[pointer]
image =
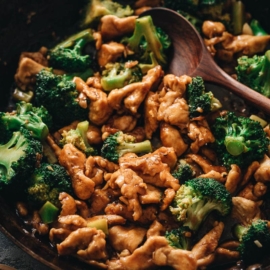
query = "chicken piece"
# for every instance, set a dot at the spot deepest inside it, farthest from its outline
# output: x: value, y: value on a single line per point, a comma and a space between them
x: 131, y: 186
x: 219, y: 176
x: 94, y: 135
x: 152, y: 195
x: 171, y: 137
x: 94, y: 81
x: 132, y: 95
x: 87, y: 243
x: 39, y: 57
x: 155, y: 229
x: 200, y: 133
x: 96, y: 166
x: 99, y: 107
x: 72, y: 221
x: 151, y: 169
x: 167, y: 155
x: 68, y: 203
x: 73, y: 161
x: 173, y: 107
x: 58, y: 234
x: 125, y: 123
x: 100, y: 199
x: 250, y: 172
x: 110, y: 52
x: 253, y: 192
x: 112, y: 220
x: 129, y: 238
x: 178, y: 259
x: 212, y: 29
x: 25, y: 76
x: 112, y: 27
x: 210, y: 154
x: 82, y: 209
x: 169, y: 194
x: 233, y: 178
x: 224, y: 255
x: 206, y: 165
x: 262, y: 174
x: 204, y: 250
x: 245, y: 210
x: 151, y: 105
x: 38, y: 225
x: 149, y: 212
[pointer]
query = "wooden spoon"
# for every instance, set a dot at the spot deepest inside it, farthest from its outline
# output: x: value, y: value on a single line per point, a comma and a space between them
x: 191, y: 57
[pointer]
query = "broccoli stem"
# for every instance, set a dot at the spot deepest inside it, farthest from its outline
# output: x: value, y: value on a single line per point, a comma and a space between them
x: 82, y: 127
x: 238, y: 16
x: 235, y: 145
x: 266, y: 74
x: 48, y: 212
x: 257, y: 28
x: 139, y: 147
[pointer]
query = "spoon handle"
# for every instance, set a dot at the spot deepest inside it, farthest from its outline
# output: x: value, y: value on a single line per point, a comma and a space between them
x: 212, y: 73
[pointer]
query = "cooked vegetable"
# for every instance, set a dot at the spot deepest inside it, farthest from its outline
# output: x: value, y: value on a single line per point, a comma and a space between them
x: 48, y: 212
x: 239, y: 140
x: 179, y: 238
x: 197, y: 198
x: 148, y: 43
x: 254, y: 240
x: 26, y: 115
x: 60, y: 97
x: 200, y: 102
x: 118, y: 144
x: 46, y: 182
x: 255, y: 72
x: 98, y: 8
x: 19, y: 157
x: 117, y: 75
x: 78, y: 137
x: 257, y: 29
x: 183, y: 171
x: 69, y: 55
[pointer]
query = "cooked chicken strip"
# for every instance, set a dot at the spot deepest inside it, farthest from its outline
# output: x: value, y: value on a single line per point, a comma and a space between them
x: 112, y: 26
x: 132, y: 95
x: 74, y: 161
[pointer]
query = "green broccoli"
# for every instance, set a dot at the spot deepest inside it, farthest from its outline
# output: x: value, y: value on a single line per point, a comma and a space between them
x: 117, y: 75
x: 29, y: 117
x: 194, y: 20
x: 197, y: 198
x: 78, y: 137
x: 183, y: 171
x: 68, y: 55
x: 254, y: 240
x: 200, y: 102
x: 239, y: 140
x: 148, y: 43
x: 99, y: 8
x: 116, y: 145
x: 19, y: 157
x: 45, y: 184
x: 180, y: 238
x: 255, y: 72
x: 60, y: 97
x: 257, y: 28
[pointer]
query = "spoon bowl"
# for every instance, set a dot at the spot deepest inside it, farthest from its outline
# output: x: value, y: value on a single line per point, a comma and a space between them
x: 190, y: 56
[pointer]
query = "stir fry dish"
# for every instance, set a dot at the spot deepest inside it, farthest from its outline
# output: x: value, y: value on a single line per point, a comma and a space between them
x: 124, y: 166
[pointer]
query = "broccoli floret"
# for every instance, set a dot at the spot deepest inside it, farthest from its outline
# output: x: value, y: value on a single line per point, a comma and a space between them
x: 116, y: 145
x: 180, y: 238
x: 255, y: 72
x: 197, y: 198
x: 68, y: 55
x: 148, y: 43
x: 183, y: 171
x: 98, y: 8
x: 239, y: 140
x: 78, y: 137
x: 200, y: 102
x: 195, y: 21
x: 19, y: 157
x: 45, y: 184
x: 117, y: 75
x: 254, y: 240
x: 26, y: 115
x: 60, y: 97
